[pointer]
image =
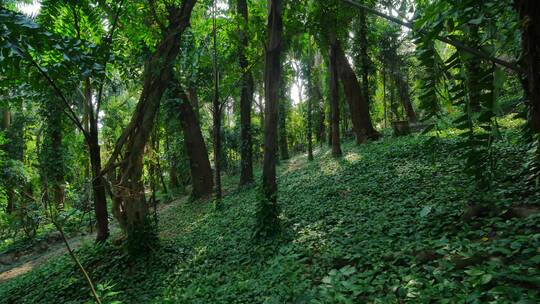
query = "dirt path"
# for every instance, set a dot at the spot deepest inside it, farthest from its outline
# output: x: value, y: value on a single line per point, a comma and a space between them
x: 23, y: 262
x: 35, y: 258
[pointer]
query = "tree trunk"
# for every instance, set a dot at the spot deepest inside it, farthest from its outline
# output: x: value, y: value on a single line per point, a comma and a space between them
x: 4, y: 126
x: 201, y: 172
x: 246, y: 99
x: 268, y: 222
x: 58, y: 172
x: 98, y: 182
x: 216, y: 114
x: 311, y: 96
x: 364, y: 59
x: 529, y: 12
x: 282, y: 127
x: 130, y: 206
x: 334, y: 101
x: 359, y: 108
x: 404, y: 96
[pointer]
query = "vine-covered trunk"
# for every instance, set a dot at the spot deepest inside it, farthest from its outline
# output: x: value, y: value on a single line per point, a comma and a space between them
x: 201, y: 172
x: 130, y: 206
x: 529, y: 12
x: 358, y: 106
x: 246, y: 99
x: 334, y: 102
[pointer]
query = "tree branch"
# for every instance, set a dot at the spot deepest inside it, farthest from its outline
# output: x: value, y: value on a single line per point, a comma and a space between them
x: 457, y: 44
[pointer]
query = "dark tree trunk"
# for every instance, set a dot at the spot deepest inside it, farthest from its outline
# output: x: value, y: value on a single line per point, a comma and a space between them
x: 130, y: 207
x: 320, y: 133
x: 193, y: 98
x: 404, y: 96
x: 58, y: 173
x: 358, y: 106
x: 246, y: 100
x: 364, y: 59
x: 268, y: 222
x: 473, y: 69
x: 6, y: 123
x: 385, y: 108
x: 216, y: 115
x: 529, y: 12
x: 334, y: 102
x: 98, y: 182
x: 282, y: 127
x: 201, y: 172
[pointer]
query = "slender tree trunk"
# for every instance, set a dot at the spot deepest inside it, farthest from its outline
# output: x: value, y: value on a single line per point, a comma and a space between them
x: 58, y: 175
x: 201, y: 172
x: 98, y: 182
x: 358, y: 106
x: 364, y: 59
x: 6, y: 123
x: 130, y: 207
x: 282, y: 127
x: 529, y: 12
x: 216, y: 113
x: 268, y: 222
x: 334, y: 102
x: 384, y: 98
x: 246, y: 99
x: 311, y: 95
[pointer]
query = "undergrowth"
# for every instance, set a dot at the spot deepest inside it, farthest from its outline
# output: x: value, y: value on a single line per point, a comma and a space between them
x: 384, y: 224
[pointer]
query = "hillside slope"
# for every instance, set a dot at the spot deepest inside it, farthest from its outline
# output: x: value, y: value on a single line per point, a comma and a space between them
x: 384, y: 224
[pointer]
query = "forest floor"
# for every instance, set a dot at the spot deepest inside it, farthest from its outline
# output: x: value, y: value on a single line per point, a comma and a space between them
x: 387, y: 223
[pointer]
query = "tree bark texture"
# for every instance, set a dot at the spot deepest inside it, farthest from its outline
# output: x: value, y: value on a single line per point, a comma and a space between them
x: 334, y: 102
x: 246, y: 99
x: 130, y: 207
x: 358, y: 106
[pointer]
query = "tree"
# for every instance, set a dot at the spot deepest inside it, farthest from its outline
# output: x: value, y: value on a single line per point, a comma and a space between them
x: 359, y: 108
x: 129, y: 205
x: 267, y: 215
x: 246, y: 98
x: 334, y: 100
x: 528, y: 11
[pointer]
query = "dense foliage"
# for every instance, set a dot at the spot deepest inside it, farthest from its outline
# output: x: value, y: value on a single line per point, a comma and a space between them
x: 155, y: 127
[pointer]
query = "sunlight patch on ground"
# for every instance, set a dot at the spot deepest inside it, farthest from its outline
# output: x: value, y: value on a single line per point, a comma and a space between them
x: 353, y: 157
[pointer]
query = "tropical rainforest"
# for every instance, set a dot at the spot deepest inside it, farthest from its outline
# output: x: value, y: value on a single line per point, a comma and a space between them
x: 269, y: 151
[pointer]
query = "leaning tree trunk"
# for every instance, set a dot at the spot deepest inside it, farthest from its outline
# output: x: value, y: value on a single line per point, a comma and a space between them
x: 129, y: 205
x: 529, y: 12
x: 359, y: 108
x: 246, y: 99
x: 201, y: 172
x: 334, y: 102
x: 268, y: 222
x: 404, y: 96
